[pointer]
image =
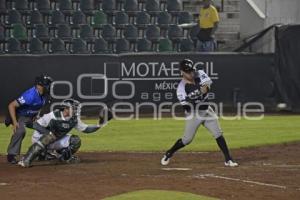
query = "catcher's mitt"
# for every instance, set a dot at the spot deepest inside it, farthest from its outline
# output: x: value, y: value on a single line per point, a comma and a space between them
x: 105, y: 115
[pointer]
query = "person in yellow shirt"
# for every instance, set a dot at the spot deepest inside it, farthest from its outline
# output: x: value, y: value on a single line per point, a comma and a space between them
x: 208, y: 22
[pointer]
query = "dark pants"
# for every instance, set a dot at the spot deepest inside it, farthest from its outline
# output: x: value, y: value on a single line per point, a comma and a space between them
x: 15, y: 144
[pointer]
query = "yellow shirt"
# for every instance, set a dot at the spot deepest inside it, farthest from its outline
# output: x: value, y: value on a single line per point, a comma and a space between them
x: 208, y: 16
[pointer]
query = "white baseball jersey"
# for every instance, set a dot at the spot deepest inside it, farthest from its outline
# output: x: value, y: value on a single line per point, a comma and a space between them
x: 190, y: 93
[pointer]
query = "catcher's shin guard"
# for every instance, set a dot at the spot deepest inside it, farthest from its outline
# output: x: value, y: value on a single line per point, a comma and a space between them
x: 36, y: 149
x: 75, y: 143
x: 32, y: 153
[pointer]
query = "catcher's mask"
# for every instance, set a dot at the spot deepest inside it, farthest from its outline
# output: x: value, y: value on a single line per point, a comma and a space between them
x: 73, y: 105
x: 45, y: 81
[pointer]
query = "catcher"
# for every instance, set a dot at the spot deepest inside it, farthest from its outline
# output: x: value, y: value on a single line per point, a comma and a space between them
x: 52, y: 133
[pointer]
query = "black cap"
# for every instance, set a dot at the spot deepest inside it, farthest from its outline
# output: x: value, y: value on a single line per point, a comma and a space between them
x: 187, y: 65
x: 45, y: 81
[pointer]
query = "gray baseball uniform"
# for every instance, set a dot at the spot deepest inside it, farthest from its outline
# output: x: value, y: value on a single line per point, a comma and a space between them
x: 197, y: 110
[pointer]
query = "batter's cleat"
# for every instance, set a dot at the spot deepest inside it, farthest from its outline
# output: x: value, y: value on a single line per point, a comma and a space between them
x: 165, y: 160
x: 11, y: 159
x: 24, y: 164
x: 231, y: 163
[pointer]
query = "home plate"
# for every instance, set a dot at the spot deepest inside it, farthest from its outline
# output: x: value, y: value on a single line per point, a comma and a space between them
x: 176, y: 169
x: 3, y: 184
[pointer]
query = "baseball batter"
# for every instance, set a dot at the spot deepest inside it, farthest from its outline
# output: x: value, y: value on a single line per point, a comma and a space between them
x: 52, y: 133
x: 192, y: 92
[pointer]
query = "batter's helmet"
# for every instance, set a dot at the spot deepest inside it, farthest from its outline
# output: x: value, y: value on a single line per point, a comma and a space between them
x: 187, y: 65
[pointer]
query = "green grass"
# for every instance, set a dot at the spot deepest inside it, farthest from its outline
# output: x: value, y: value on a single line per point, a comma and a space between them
x: 158, y: 195
x: 158, y: 135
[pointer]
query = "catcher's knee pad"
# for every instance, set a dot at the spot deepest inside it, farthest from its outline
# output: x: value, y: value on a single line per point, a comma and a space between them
x: 75, y: 143
x: 47, y: 139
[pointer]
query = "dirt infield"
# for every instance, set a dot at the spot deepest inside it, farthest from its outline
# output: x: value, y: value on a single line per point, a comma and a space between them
x: 271, y: 172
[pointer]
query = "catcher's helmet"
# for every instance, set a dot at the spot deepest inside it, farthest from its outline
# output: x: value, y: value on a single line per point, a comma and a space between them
x: 73, y: 105
x: 45, y: 81
x: 187, y: 65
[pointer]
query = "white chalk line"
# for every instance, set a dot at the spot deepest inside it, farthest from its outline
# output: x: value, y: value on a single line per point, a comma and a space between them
x: 3, y: 184
x: 176, y: 169
x: 281, y: 165
x: 240, y: 180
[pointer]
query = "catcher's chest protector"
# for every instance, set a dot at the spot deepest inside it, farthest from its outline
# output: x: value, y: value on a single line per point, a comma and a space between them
x: 61, y: 127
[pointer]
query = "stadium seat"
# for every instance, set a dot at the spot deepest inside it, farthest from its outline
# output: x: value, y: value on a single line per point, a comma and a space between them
x: 141, y: 4
x: 152, y: 7
x: 109, y: 34
x: 64, y: 32
x: 14, y: 17
x: 153, y: 34
x: 165, y: 45
x: 36, y: 47
x: 185, y: 18
x: 98, y: 4
x: 79, y: 46
x: 75, y: 4
x: 87, y: 6
x: 122, y: 46
x: 65, y: 6
x: 131, y: 34
x: 163, y: 5
x: 19, y: 32
x: 175, y: 33
x: 22, y: 6
x: 2, y: 33
x: 174, y: 7
x: 78, y: 19
x: 14, y: 46
x: 120, y: 5
x: 121, y: 20
x: 35, y: 18
x: 143, y: 45
x: 131, y: 7
x: 58, y: 46
x: 109, y: 7
x: 44, y: 7
x: 57, y: 17
x: 3, y: 9
x: 2, y: 39
x: 87, y: 33
x: 186, y: 45
x: 142, y: 22
x: 41, y: 32
x: 100, y: 46
x: 98, y: 21
x: 163, y: 21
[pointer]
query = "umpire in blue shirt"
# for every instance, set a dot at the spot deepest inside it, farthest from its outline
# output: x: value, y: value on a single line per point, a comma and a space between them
x: 23, y: 111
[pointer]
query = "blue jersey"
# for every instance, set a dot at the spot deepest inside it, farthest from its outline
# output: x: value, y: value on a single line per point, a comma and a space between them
x: 30, y: 103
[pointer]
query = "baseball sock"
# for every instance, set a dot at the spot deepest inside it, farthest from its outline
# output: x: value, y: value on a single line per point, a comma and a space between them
x: 223, y: 146
x: 178, y: 145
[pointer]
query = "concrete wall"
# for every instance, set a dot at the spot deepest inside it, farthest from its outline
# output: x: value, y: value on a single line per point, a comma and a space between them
x: 275, y: 11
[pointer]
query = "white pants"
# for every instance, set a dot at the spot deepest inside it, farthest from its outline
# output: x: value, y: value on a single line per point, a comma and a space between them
x: 64, y: 142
